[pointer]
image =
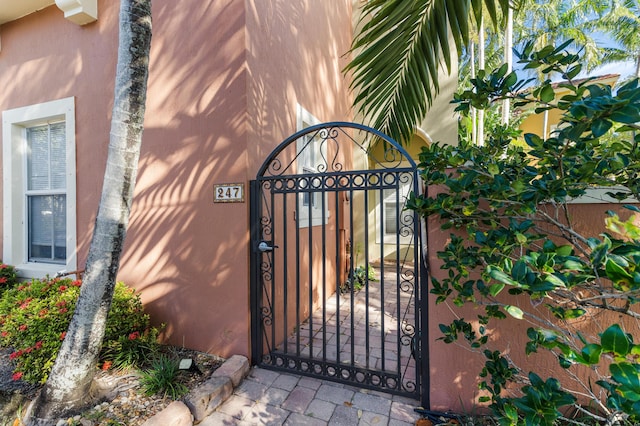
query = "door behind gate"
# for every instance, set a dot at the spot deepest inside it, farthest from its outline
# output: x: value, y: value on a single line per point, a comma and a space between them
x: 336, y: 261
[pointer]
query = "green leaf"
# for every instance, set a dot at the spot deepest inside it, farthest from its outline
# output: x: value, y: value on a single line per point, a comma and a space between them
x: 574, y: 313
x: 547, y: 93
x: 591, y: 353
x: 600, y: 127
x: 564, y: 362
x: 627, y: 375
x: 499, y: 275
x: 575, y: 70
x: 631, y: 395
x: 628, y: 115
x: 555, y: 280
x: 511, y: 413
x: 615, y: 340
x: 616, y: 272
x: 565, y: 250
x: 599, y: 251
x: 495, y: 289
x: 514, y: 311
x: 519, y: 271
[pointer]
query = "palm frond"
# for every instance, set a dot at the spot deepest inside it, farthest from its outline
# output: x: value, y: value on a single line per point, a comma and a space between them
x: 398, y: 52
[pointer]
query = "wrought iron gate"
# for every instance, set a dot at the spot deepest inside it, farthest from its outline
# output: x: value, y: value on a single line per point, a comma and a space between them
x: 337, y: 261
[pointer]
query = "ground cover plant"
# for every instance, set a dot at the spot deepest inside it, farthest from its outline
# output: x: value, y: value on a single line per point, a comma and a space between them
x: 8, y: 277
x: 516, y: 252
x: 34, y: 317
x: 162, y: 378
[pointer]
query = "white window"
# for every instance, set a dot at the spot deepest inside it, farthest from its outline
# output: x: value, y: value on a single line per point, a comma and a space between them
x: 39, y: 188
x: 392, y: 217
x: 311, y: 156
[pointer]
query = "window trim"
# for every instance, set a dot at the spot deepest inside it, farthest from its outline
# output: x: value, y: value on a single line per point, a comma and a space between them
x: 14, y: 165
x: 306, y: 119
x: 391, y: 238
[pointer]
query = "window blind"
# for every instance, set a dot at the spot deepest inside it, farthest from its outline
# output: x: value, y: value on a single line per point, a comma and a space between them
x: 46, y: 182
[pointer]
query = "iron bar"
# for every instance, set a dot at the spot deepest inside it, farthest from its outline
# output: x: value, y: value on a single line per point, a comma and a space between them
x: 387, y: 364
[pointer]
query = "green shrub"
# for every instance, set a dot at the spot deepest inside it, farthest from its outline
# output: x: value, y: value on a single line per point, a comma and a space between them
x: 163, y: 377
x: 35, y: 315
x: 8, y: 277
x: 515, y: 239
x: 361, y: 275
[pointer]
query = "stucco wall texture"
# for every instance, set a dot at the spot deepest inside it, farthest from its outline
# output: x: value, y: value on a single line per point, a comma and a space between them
x: 454, y: 368
x: 224, y: 82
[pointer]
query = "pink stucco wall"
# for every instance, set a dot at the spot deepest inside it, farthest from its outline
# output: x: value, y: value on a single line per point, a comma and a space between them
x: 225, y: 78
x: 454, y: 368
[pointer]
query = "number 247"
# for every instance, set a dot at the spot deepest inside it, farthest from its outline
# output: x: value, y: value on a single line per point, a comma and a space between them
x: 229, y: 192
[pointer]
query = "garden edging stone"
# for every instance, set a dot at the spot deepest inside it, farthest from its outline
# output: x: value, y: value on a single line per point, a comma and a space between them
x: 203, y: 400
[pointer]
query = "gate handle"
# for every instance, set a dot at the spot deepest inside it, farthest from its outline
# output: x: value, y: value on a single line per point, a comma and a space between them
x: 264, y: 246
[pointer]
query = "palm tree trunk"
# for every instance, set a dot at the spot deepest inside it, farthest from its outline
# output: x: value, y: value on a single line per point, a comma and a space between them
x: 508, y: 57
x: 68, y: 385
x: 474, y: 111
x: 480, y: 131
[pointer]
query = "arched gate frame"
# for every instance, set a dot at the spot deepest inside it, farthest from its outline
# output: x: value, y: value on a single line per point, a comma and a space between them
x: 338, y: 277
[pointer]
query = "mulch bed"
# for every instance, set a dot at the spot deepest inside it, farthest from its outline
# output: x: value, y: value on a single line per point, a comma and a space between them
x: 124, y: 404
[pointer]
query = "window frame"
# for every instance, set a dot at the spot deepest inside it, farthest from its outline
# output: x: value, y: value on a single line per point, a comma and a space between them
x: 382, y: 199
x: 14, y: 169
x: 306, y: 119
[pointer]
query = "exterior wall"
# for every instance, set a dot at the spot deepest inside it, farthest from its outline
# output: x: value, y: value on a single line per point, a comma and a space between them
x: 225, y: 78
x: 187, y: 255
x: 441, y: 122
x: 454, y: 367
x: 62, y: 59
x: 295, y: 54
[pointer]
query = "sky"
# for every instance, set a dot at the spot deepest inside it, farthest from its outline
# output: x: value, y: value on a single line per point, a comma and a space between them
x: 625, y: 69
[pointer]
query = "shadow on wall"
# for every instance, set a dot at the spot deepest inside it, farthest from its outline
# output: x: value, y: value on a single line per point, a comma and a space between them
x: 222, y: 94
x: 214, y: 112
x: 296, y: 51
x: 183, y: 251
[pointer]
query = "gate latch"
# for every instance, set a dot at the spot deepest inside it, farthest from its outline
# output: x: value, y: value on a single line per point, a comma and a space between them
x: 264, y: 246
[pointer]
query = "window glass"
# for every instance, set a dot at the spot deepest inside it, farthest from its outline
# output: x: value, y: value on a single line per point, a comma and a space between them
x: 39, y: 188
x: 311, y: 155
x: 47, y: 228
x: 393, y: 219
x: 46, y: 181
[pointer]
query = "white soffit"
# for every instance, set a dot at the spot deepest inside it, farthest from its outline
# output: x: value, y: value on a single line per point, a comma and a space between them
x: 78, y: 11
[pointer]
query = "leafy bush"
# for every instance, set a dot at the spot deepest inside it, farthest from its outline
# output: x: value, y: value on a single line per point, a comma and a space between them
x: 163, y: 377
x: 128, y: 351
x: 35, y: 315
x: 8, y: 277
x: 361, y: 275
x: 514, y: 236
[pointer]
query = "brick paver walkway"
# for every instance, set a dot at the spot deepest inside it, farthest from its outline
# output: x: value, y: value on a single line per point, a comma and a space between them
x: 372, y: 327
x: 372, y: 338
x: 268, y: 397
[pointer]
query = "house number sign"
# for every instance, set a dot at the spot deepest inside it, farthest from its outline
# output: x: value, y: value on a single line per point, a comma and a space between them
x: 228, y: 193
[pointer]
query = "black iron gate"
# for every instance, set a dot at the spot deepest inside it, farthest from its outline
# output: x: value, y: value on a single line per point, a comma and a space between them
x: 337, y: 261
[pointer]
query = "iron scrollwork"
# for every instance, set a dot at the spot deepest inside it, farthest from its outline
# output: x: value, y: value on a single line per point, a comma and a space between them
x: 319, y: 160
